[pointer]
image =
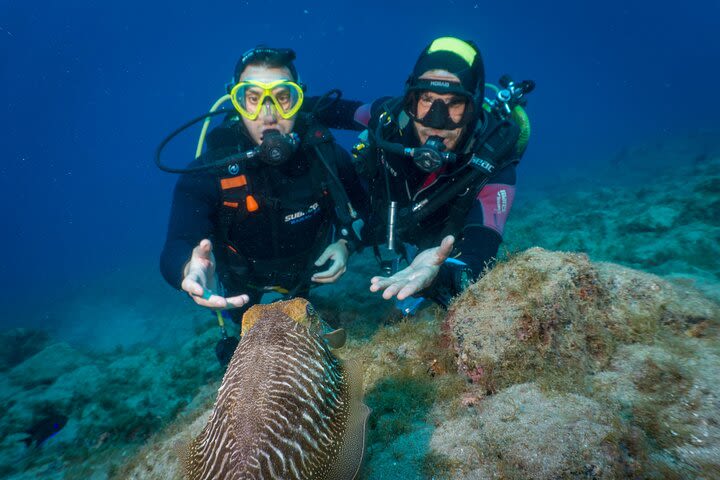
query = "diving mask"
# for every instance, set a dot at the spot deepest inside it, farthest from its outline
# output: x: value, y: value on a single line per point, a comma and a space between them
x: 457, y: 112
x: 250, y: 96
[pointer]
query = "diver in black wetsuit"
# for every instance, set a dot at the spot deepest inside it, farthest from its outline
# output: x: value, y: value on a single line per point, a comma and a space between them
x: 440, y: 167
x: 266, y: 222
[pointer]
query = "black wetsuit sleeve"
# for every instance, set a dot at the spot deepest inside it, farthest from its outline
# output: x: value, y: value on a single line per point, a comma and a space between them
x: 481, y: 237
x: 338, y: 114
x: 196, y: 200
x: 192, y: 218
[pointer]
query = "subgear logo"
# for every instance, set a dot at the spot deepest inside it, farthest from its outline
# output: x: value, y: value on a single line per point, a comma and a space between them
x: 302, y: 214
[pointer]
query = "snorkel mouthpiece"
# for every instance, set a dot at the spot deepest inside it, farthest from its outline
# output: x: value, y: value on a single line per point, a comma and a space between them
x: 277, y: 148
x: 428, y: 158
x: 436, y: 143
x: 431, y: 156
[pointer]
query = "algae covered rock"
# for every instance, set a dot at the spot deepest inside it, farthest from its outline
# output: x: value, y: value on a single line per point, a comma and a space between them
x: 672, y: 394
x: 524, y: 433
x: 584, y: 370
x: 545, y: 312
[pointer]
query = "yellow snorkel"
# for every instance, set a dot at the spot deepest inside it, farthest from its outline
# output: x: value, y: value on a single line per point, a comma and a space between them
x: 206, y: 124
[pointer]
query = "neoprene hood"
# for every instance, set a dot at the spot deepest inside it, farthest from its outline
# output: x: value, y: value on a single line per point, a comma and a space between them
x: 459, y: 57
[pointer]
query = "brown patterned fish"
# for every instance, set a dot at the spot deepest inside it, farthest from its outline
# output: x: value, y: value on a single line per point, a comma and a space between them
x: 287, y: 407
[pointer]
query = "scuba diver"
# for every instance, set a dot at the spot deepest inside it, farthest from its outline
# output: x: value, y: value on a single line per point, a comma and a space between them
x: 270, y: 204
x: 440, y: 164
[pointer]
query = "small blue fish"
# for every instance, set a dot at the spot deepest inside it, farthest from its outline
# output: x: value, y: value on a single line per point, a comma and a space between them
x: 48, y: 425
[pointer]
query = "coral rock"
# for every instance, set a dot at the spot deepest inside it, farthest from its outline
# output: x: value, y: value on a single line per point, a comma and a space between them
x: 542, y: 311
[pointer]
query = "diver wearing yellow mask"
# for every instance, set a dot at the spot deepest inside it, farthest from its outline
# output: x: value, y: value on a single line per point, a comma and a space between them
x: 269, y: 201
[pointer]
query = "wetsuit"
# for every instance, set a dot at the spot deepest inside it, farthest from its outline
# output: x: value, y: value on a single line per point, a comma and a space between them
x: 479, y: 234
x: 273, y: 246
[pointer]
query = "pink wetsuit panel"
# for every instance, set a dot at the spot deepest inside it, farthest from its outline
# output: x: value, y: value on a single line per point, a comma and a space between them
x: 362, y: 114
x: 496, y: 200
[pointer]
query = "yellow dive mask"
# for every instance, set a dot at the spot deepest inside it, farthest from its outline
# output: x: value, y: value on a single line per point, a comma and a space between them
x: 250, y: 96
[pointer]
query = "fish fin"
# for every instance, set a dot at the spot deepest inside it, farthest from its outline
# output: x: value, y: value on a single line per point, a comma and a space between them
x: 182, y: 450
x: 336, y: 338
x: 350, y: 456
x: 355, y: 375
x: 190, y: 457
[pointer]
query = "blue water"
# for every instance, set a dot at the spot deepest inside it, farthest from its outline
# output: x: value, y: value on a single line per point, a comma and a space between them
x: 88, y: 89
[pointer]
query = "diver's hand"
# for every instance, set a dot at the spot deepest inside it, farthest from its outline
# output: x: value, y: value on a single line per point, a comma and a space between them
x: 418, y: 275
x: 200, y: 283
x: 338, y: 253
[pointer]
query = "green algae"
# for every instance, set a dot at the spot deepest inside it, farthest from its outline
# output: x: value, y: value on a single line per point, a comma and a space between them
x: 439, y: 466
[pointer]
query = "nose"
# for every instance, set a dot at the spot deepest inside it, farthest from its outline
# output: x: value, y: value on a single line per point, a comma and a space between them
x: 268, y: 113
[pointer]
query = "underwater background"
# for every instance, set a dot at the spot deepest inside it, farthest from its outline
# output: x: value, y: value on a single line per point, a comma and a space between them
x: 623, y: 164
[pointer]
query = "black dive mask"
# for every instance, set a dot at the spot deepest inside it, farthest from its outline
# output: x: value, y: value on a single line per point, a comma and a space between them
x: 438, y: 117
x: 432, y: 155
x: 277, y: 148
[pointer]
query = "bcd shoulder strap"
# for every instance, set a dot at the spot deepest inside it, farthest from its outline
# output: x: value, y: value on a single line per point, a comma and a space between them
x: 320, y: 144
x: 492, y: 153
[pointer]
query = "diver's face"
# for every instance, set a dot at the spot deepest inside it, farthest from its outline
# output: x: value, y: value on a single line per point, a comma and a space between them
x: 269, y: 118
x: 456, y: 108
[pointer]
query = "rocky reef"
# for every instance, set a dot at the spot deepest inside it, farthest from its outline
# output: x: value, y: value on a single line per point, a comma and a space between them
x: 584, y: 370
x: 69, y: 413
x: 551, y: 366
x: 593, y: 357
